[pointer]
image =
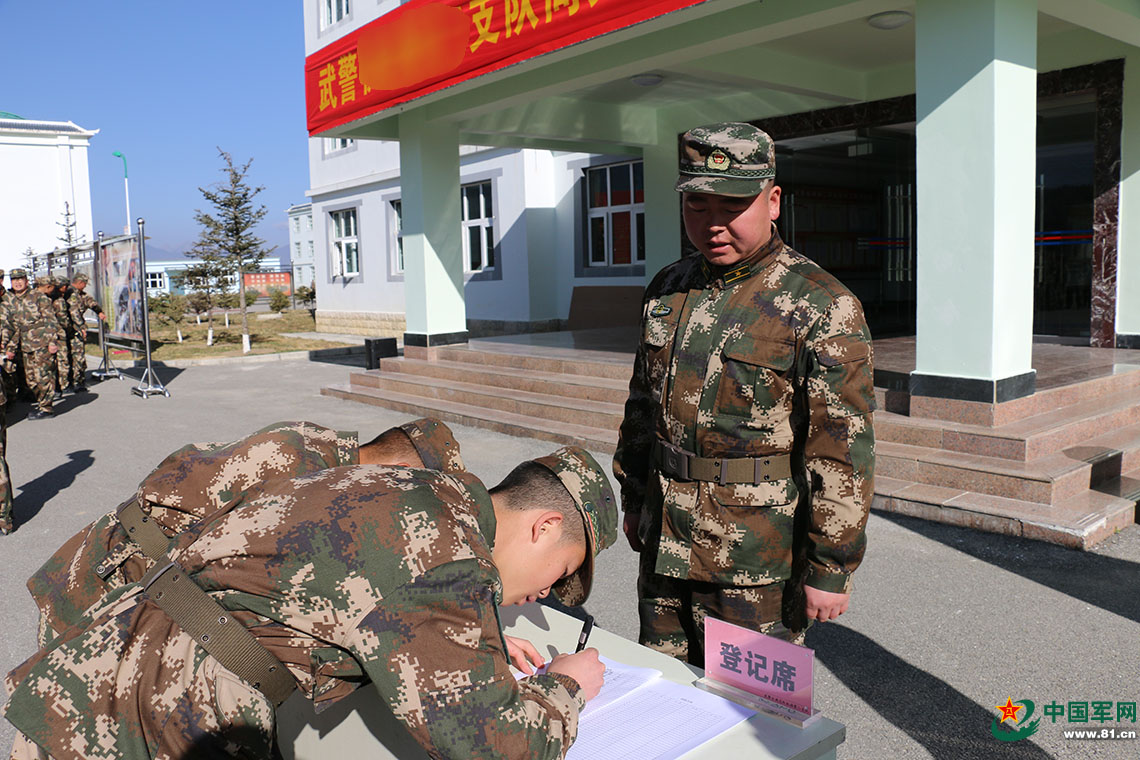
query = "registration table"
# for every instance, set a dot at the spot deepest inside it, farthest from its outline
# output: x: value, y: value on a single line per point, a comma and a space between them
x: 362, y: 726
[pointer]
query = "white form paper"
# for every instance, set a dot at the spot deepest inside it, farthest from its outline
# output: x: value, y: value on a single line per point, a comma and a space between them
x: 646, y: 717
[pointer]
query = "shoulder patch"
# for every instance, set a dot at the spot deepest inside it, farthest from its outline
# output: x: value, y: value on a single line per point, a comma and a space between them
x: 660, y: 310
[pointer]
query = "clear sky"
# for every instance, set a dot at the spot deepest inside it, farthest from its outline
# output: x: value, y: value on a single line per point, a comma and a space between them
x: 166, y: 83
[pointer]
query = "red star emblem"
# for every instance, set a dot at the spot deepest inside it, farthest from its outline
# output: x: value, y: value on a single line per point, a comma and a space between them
x: 1009, y: 710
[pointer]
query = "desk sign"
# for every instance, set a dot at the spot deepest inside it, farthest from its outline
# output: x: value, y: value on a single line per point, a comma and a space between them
x: 761, y: 672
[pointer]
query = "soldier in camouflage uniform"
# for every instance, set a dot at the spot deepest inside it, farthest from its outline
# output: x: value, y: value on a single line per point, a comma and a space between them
x: 7, y: 522
x: 33, y: 332
x: 200, y: 481
x: 746, y: 455
x: 79, y: 301
x: 55, y: 291
x: 346, y: 575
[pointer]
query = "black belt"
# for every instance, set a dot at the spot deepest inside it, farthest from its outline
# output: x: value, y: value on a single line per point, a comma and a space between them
x: 683, y: 465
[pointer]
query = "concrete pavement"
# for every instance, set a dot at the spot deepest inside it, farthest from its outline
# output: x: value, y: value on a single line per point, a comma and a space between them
x: 945, y: 623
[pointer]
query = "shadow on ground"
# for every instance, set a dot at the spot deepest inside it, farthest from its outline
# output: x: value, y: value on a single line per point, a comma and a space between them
x: 36, y: 493
x: 947, y: 723
x: 1093, y: 578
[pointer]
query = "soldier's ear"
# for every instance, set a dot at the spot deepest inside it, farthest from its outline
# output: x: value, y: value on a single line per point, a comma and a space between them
x: 546, y: 526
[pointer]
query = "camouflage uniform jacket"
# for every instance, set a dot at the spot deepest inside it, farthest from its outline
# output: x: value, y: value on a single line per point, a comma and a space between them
x: 193, y: 484
x: 78, y: 303
x: 349, y: 574
x: 62, y: 316
x: 772, y: 357
x: 34, y: 326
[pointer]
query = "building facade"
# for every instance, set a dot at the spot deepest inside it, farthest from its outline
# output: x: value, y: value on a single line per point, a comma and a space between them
x: 301, y: 250
x: 965, y: 167
x: 43, y: 176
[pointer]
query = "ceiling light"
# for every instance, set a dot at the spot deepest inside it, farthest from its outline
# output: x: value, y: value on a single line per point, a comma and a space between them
x: 890, y: 19
x: 647, y: 80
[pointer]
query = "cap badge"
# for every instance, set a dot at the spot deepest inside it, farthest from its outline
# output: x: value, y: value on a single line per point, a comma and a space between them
x: 660, y: 310
x: 718, y: 161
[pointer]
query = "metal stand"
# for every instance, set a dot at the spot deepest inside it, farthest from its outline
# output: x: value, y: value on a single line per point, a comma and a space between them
x: 106, y: 369
x: 149, y: 384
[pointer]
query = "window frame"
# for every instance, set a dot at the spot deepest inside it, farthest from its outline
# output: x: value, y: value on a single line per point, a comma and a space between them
x: 326, y: 9
x: 338, y: 257
x: 161, y: 275
x: 606, y: 212
x: 485, y: 222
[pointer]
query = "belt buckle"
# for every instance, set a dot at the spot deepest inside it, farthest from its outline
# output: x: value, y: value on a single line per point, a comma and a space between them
x: 676, y: 461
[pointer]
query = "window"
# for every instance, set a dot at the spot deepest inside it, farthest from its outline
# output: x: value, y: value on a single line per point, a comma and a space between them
x: 332, y: 11
x: 297, y: 224
x: 616, y: 215
x: 337, y: 144
x: 345, y: 245
x: 398, y: 229
x: 297, y: 250
x: 478, y: 216
x: 156, y: 280
x: 309, y: 222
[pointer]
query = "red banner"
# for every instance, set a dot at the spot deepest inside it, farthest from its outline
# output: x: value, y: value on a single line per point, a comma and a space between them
x: 428, y: 45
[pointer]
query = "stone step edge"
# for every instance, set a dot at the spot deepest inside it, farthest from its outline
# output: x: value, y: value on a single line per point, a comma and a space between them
x: 1107, y: 405
x: 502, y: 371
x: 1050, y: 468
x: 1114, y: 515
x: 543, y: 399
x: 571, y: 366
x: 491, y: 346
x: 524, y: 426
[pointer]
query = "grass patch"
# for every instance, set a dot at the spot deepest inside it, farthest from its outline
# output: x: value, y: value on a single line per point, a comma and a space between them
x: 265, y: 336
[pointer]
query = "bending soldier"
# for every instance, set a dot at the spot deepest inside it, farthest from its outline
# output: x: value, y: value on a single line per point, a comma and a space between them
x: 346, y: 575
x: 199, y: 482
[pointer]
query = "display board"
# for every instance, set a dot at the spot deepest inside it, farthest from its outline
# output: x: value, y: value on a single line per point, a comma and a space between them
x: 119, y: 269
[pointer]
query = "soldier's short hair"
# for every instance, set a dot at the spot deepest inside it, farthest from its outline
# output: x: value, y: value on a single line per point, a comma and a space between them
x: 532, y: 486
x: 393, y: 446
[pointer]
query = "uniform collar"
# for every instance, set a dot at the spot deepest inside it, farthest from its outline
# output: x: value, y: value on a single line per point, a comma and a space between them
x: 729, y: 276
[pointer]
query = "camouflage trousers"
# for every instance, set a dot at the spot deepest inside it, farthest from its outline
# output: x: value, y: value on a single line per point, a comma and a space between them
x: 39, y: 374
x: 62, y: 367
x: 673, y: 611
x: 7, y: 525
x: 78, y: 342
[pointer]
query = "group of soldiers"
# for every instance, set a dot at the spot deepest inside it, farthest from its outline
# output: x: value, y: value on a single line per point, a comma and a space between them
x: 746, y: 463
x: 43, y: 330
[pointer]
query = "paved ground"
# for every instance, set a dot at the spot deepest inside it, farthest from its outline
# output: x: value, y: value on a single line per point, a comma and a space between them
x: 945, y: 623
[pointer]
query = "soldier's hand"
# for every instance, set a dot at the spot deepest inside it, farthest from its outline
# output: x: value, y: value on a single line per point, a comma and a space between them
x: 102, y: 317
x: 629, y: 526
x: 584, y: 667
x: 522, y: 653
x: 824, y: 605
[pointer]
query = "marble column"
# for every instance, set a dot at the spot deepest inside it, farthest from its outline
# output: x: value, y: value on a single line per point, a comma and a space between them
x: 1127, y: 306
x: 433, y: 250
x: 976, y: 102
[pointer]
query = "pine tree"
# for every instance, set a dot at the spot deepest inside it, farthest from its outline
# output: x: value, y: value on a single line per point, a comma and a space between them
x: 227, y: 235
x: 69, y: 236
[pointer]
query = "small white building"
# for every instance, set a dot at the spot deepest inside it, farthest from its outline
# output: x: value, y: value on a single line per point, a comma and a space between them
x: 301, y: 249
x: 160, y: 274
x: 43, y: 166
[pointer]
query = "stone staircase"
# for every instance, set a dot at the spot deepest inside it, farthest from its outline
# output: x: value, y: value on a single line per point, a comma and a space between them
x: 1067, y: 470
x: 1063, y: 467
x: 535, y: 392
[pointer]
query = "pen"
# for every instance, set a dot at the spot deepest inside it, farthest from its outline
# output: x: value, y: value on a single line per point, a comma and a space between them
x: 585, y: 634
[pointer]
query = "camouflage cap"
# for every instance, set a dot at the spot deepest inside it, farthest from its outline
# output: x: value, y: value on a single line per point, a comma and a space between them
x: 726, y: 159
x: 80, y: 277
x: 18, y: 274
x: 435, y: 443
x: 44, y: 279
x: 588, y: 484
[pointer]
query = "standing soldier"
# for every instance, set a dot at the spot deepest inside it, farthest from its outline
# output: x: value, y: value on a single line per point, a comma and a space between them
x: 78, y: 302
x: 34, y: 333
x: 746, y: 455
x: 7, y: 522
x: 3, y: 290
x: 58, y: 294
